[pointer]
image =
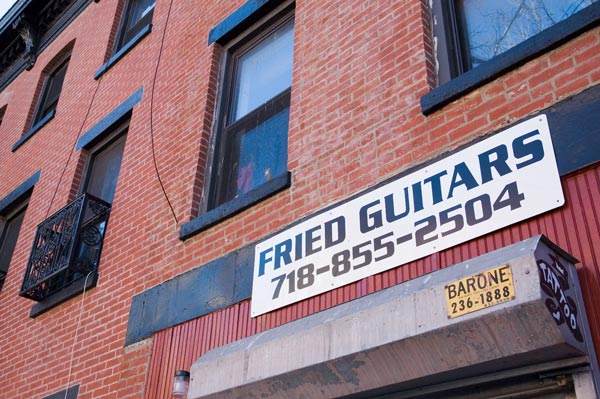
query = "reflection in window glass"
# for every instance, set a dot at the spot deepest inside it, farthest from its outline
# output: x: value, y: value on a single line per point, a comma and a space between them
x: 137, y: 17
x: 140, y: 9
x: 264, y: 71
x: 263, y: 153
x: 104, y: 171
x: 252, y: 139
x: 491, y: 27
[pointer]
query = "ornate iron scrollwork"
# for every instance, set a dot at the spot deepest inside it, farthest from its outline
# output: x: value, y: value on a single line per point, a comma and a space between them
x: 30, y: 35
x: 91, y: 236
x: 99, y: 208
x: 66, y: 245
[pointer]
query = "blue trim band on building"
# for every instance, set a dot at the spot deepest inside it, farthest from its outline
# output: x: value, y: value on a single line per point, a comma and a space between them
x: 545, y: 41
x: 34, y: 129
x: 123, y: 50
x: 228, y: 280
x: 95, y: 133
x: 575, y: 130
x: 240, y: 20
x: 235, y: 206
x: 200, y: 291
x: 18, y: 193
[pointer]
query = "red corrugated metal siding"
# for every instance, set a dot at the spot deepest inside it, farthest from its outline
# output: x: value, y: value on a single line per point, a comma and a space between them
x: 575, y: 227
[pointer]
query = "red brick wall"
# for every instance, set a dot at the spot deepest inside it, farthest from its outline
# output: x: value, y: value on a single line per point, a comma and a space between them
x: 178, y: 347
x: 359, y: 71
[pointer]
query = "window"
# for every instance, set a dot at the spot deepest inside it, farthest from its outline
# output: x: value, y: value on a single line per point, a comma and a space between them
x: 101, y: 182
x: 67, y: 246
x: 136, y: 23
x: 10, y: 225
x: 2, y: 112
x: 69, y: 393
x: 138, y: 14
x: 471, y: 32
x: 478, y: 41
x: 251, y: 145
x: 103, y: 170
x: 51, y: 92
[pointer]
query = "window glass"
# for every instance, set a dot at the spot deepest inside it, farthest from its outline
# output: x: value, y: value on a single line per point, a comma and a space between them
x: 55, y: 83
x: 52, y: 90
x: 137, y: 16
x: 252, y: 142
x: 139, y: 9
x: 491, y: 27
x: 104, y: 171
x: 102, y: 176
x: 263, y: 153
x: 264, y: 71
x: 8, y: 240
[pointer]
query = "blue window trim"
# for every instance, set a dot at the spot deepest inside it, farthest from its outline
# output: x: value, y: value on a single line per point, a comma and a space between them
x: 240, y: 20
x: 34, y: 129
x: 18, y: 193
x: 207, y: 288
x: 235, y: 206
x: 123, y: 50
x: 103, y: 126
x: 544, y: 41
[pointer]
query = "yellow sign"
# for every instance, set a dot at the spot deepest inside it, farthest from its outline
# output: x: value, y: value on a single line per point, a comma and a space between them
x: 488, y: 288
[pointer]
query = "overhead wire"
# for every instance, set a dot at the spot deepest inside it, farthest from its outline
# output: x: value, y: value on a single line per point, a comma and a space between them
x: 76, y: 335
x: 162, y: 43
x: 155, y: 168
x: 89, y: 109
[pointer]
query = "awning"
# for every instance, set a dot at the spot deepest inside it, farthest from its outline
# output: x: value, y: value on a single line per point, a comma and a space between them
x: 413, y: 334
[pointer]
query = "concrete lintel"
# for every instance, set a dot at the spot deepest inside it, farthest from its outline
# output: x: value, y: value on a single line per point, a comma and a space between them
x: 394, y: 337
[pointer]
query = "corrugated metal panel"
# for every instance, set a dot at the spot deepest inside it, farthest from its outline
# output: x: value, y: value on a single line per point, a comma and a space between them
x: 575, y: 227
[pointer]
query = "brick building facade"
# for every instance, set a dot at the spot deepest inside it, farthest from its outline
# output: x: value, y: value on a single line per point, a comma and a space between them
x: 164, y: 164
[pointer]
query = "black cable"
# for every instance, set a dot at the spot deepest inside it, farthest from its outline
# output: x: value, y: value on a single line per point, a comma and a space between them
x: 73, y: 147
x: 162, y: 42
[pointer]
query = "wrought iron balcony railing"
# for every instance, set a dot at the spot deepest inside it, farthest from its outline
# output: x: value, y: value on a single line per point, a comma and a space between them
x: 67, y: 247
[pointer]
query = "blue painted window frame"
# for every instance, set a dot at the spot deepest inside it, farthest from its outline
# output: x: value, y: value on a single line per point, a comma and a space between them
x: 103, y: 127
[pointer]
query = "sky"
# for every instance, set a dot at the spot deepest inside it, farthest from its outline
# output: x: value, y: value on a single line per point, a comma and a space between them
x: 5, y: 5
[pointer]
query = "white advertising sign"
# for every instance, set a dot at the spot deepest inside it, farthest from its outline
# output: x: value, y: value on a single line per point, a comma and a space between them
x: 496, y: 182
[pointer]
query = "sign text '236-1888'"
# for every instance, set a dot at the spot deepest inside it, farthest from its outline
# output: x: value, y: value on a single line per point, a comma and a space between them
x: 480, y: 291
x: 491, y: 184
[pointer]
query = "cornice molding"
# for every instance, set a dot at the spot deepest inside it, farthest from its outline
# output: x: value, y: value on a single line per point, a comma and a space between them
x: 29, y: 33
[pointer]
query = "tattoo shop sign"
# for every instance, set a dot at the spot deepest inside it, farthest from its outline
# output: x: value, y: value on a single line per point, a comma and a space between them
x: 493, y: 183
